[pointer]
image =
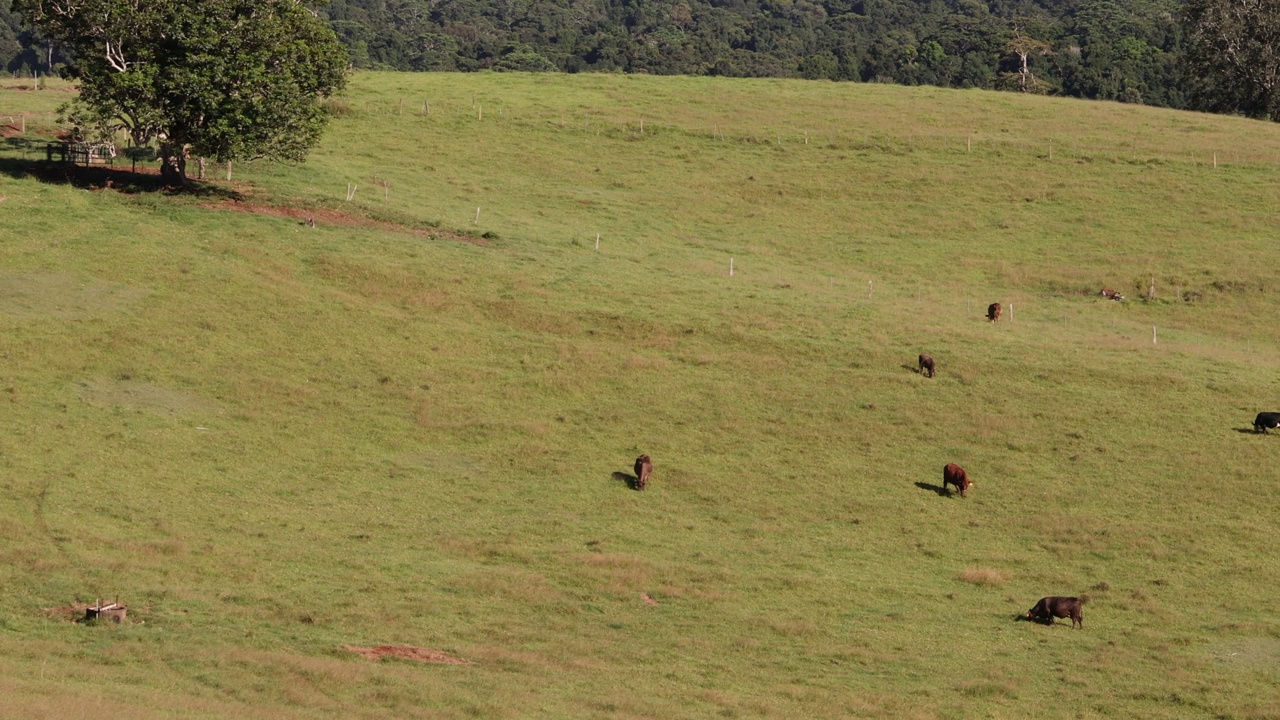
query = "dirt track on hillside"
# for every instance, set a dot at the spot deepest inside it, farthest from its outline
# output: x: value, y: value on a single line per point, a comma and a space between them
x: 323, y: 216
x: 406, y: 652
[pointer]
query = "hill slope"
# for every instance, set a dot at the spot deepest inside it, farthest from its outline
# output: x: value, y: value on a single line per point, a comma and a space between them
x: 273, y: 440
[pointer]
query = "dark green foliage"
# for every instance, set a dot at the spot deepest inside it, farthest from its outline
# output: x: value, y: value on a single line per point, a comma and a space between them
x: 1126, y: 50
x: 1096, y: 48
x: 1233, y: 55
x: 222, y: 79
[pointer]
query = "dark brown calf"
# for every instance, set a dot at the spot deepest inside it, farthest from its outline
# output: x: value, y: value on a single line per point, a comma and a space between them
x: 1058, y: 607
x: 1110, y: 294
x: 993, y: 312
x: 953, y: 474
x: 643, y: 469
x: 926, y: 364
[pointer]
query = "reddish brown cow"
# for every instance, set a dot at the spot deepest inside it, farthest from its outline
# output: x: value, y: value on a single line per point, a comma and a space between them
x: 643, y: 469
x: 953, y: 474
x: 1051, y: 607
x: 993, y: 312
x: 926, y: 364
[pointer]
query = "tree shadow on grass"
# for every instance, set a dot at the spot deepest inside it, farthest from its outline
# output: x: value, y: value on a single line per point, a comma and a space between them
x: 944, y: 492
x: 630, y: 480
x: 98, y: 177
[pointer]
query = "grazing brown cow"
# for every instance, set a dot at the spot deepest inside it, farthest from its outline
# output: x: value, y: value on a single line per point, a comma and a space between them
x: 993, y: 312
x: 643, y: 469
x: 1051, y: 607
x: 1110, y: 294
x: 926, y: 364
x: 953, y: 474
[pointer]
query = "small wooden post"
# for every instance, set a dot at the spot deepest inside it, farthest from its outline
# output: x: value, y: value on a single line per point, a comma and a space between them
x: 969, y: 144
x: 870, y: 288
x: 597, y: 242
x: 1010, y: 312
x: 730, y: 267
x: 1215, y: 161
x: 1051, y: 149
x: 479, y: 112
x: 228, y: 171
x: 477, y: 220
x: 641, y: 126
x: 1153, y: 334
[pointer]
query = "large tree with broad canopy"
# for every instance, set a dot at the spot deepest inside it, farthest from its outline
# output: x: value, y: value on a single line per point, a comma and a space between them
x: 222, y: 79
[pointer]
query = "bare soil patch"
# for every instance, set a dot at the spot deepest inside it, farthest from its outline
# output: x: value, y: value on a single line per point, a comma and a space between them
x: 144, y: 396
x: 406, y: 652
x: 39, y: 296
x: 325, y: 216
x: 69, y: 613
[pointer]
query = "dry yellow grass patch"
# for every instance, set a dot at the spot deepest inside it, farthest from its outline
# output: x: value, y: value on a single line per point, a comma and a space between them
x: 982, y: 576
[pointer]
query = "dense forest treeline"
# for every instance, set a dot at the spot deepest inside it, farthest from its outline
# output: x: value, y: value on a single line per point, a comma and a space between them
x: 1128, y: 50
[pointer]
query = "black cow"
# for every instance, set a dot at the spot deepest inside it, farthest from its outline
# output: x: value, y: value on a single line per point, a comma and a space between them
x: 643, y: 468
x: 1266, y: 420
x: 926, y: 364
x: 1058, y: 607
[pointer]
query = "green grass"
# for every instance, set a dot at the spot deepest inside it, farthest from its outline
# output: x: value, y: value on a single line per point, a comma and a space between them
x: 272, y: 440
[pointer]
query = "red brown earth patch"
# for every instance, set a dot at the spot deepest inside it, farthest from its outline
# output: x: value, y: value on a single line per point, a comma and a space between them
x: 406, y: 652
x: 322, y: 216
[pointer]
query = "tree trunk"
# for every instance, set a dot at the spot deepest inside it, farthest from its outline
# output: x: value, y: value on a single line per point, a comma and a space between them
x: 173, y: 164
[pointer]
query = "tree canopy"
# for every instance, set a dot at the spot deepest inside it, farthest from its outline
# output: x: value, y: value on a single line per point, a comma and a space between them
x: 1156, y: 52
x: 1233, y: 51
x: 1125, y: 50
x: 223, y: 79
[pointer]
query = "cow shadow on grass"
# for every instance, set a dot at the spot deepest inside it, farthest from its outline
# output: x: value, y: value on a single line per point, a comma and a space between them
x: 1249, y: 431
x: 630, y: 480
x: 99, y: 177
x: 944, y: 492
x: 1050, y: 622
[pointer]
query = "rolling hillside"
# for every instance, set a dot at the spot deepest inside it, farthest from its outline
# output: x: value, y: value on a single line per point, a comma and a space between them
x: 413, y: 424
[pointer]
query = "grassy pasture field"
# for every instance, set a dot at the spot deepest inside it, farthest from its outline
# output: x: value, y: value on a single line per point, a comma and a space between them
x: 413, y: 423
